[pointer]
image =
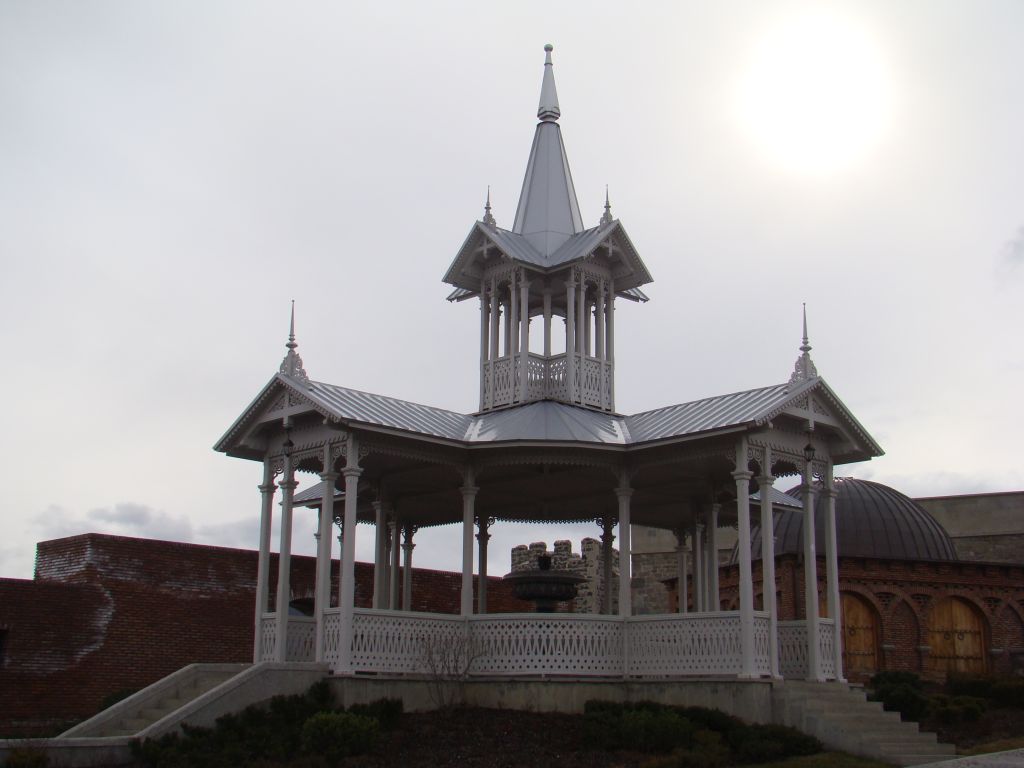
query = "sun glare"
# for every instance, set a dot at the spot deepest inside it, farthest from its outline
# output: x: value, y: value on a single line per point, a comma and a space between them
x: 815, y: 97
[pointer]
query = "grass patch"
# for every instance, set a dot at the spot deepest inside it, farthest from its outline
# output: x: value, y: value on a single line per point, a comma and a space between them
x: 999, y: 745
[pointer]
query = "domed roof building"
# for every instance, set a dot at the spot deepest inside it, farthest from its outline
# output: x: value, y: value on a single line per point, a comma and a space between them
x: 872, y: 520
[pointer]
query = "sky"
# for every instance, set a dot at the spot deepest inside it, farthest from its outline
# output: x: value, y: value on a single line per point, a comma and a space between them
x: 172, y: 175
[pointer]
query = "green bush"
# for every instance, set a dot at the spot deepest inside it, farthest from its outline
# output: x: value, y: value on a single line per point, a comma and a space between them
x: 894, y: 678
x: 900, y: 692
x: 764, y: 743
x: 337, y: 735
x: 387, y: 712
x: 960, y: 684
x: 656, y: 730
x: 1008, y: 693
x: 27, y: 757
x: 956, y: 709
x: 712, y: 719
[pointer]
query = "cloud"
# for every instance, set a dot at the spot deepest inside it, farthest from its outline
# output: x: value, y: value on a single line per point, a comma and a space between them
x: 123, y: 519
x: 1013, y: 251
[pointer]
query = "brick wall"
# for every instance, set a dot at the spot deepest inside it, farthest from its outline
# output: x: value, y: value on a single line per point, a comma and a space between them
x: 107, y: 614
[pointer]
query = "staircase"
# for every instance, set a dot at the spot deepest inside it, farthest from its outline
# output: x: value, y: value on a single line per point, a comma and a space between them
x: 152, y: 704
x: 843, y: 719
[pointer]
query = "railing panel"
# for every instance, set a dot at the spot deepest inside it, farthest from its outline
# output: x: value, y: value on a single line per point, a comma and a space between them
x: 540, y: 644
x: 504, y: 380
x: 332, y: 636
x: 591, y: 382
x: 301, y: 643
x: 826, y: 648
x: 762, y: 632
x: 793, y: 649
x: 268, y: 637
x: 557, y: 387
x: 685, y: 644
x: 402, y: 642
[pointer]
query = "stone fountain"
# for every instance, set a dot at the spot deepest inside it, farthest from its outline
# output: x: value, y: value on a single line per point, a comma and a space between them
x: 543, y: 586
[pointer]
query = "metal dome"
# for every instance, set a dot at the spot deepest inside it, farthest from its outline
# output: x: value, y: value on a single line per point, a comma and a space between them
x: 872, y: 520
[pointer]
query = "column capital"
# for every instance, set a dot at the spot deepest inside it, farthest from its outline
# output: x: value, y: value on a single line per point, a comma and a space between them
x: 623, y: 493
x: 469, y: 491
x: 742, y: 474
x: 288, y: 485
x: 699, y: 527
x: 352, y: 472
x: 766, y: 481
x: 267, y: 487
x: 328, y: 476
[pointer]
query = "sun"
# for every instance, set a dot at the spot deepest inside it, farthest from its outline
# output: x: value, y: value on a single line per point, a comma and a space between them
x: 815, y: 96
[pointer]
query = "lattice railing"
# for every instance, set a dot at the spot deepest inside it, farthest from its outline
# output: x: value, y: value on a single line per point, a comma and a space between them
x: 388, y: 641
x: 539, y: 644
x: 827, y: 648
x: 685, y: 644
x: 332, y: 636
x: 536, y: 377
x: 591, y: 382
x: 793, y: 649
x: 762, y: 646
x: 503, y: 378
x: 268, y: 637
x: 557, y: 388
x: 301, y: 642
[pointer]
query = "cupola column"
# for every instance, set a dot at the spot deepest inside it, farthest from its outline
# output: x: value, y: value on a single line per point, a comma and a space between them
x: 624, y: 492
x: 547, y: 323
x: 742, y: 477
x: 768, y: 601
x: 835, y: 611
x: 570, y: 340
x: 379, y: 554
x: 267, y: 489
x: 697, y: 546
x: 599, y: 324
x: 493, y: 351
x: 581, y: 314
x: 322, y: 596
x: 610, y: 343
x: 810, y: 575
x: 469, y: 491
x: 284, y: 560
x: 714, y: 603
x: 347, y: 603
x: 485, y: 317
x: 396, y: 567
x: 607, y: 555
x: 407, y: 570
x: 682, y: 601
x: 524, y: 337
x: 483, y: 535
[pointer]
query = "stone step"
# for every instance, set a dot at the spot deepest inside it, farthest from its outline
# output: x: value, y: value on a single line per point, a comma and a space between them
x: 915, y: 747
x: 909, y: 759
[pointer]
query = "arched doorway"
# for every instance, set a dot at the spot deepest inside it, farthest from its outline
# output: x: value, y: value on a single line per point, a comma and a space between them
x: 860, y: 636
x: 957, y: 637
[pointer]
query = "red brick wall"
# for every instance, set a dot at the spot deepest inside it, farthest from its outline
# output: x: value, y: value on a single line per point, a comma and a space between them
x: 109, y: 613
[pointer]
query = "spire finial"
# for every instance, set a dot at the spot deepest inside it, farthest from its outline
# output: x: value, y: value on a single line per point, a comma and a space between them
x: 606, y: 217
x: 488, y: 218
x: 804, y: 369
x: 548, y: 110
x: 292, y: 363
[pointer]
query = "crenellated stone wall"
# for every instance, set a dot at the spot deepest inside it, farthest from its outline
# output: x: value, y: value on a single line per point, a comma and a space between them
x: 588, y: 563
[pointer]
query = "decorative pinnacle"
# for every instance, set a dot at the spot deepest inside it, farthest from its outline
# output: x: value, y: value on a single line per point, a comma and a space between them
x: 804, y: 370
x: 488, y: 218
x: 606, y: 218
x: 292, y: 363
x: 548, y: 110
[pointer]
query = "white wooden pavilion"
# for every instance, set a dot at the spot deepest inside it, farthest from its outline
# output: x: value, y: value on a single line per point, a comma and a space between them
x: 546, y: 444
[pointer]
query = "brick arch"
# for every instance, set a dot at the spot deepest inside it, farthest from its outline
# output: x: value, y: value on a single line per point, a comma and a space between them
x: 862, y: 626
x: 1008, y: 635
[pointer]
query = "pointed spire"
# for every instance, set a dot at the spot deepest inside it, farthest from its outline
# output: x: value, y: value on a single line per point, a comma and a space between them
x: 548, y: 213
x: 292, y: 363
x: 548, y: 109
x: 488, y: 218
x: 804, y: 370
x: 606, y: 217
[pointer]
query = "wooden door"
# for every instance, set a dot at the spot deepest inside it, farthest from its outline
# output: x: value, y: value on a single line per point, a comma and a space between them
x: 860, y: 636
x: 956, y: 635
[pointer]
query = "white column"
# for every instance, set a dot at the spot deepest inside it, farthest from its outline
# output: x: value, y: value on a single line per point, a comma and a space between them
x: 493, y: 350
x: 697, y: 547
x: 284, y: 561
x: 322, y: 600
x: 468, y: 500
x: 588, y: 337
x: 609, y: 342
x: 835, y: 608
x: 407, y: 548
x: 347, y: 604
x: 547, y: 323
x: 714, y: 598
x: 810, y: 576
x: 524, y: 338
x: 624, y: 492
x: 742, y: 477
x: 507, y: 327
x: 396, y: 554
x: 581, y: 354
x: 768, y: 562
x: 599, y: 325
x: 681, y: 585
x: 607, y: 555
x: 513, y: 323
x: 570, y: 341
x: 482, y: 537
x: 267, y: 489
x: 485, y: 315
x: 379, y: 554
